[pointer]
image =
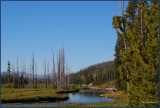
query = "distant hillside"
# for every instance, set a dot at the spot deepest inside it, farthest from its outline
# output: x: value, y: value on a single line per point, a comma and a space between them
x: 96, y: 74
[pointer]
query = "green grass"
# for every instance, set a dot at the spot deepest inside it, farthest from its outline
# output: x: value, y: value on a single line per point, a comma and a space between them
x: 115, y: 103
x: 11, y: 95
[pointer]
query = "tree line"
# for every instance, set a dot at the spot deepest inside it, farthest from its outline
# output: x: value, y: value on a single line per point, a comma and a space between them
x: 58, y: 78
x: 136, y: 62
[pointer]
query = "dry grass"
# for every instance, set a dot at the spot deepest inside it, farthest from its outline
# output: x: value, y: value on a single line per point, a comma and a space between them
x: 116, y: 95
x: 107, y: 85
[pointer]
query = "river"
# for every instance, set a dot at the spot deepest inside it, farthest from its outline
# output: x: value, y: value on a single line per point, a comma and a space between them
x: 83, y: 96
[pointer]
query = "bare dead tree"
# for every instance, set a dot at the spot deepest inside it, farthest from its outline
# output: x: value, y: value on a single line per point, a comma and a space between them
x: 61, y: 80
x: 23, y: 74
x: 67, y: 76
x: 38, y: 77
x: 60, y: 64
x: 25, y: 70
x: 18, y: 82
x: 35, y: 75
x: 63, y: 69
x: 54, y: 73
x: 21, y: 77
x: 69, y: 73
x: 13, y: 70
x: 30, y: 78
x: 59, y: 71
x: 45, y: 76
x: 48, y: 76
x: 42, y: 75
x: 33, y: 69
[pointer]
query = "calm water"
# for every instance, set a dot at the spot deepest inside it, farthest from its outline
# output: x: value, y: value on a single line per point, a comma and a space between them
x: 83, y: 96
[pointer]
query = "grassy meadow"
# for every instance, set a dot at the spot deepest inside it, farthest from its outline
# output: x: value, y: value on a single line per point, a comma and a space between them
x: 12, y: 95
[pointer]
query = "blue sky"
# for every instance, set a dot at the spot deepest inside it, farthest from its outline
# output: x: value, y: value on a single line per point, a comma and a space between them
x: 84, y: 28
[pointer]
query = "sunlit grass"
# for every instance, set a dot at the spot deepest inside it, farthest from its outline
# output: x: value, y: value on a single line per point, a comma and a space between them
x: 30, y: 95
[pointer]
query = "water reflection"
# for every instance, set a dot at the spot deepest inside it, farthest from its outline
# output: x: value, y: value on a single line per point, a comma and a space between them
x: 92, y: 92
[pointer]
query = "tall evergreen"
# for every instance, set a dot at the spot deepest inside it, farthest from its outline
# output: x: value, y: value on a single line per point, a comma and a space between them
x: 138, y: 64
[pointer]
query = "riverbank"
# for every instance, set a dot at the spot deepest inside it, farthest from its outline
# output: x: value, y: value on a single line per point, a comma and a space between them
x: 115, y: 103
x: 115, y: 95
x: 111, y: 91
x: 67, y: 91
x: 108, y: 86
